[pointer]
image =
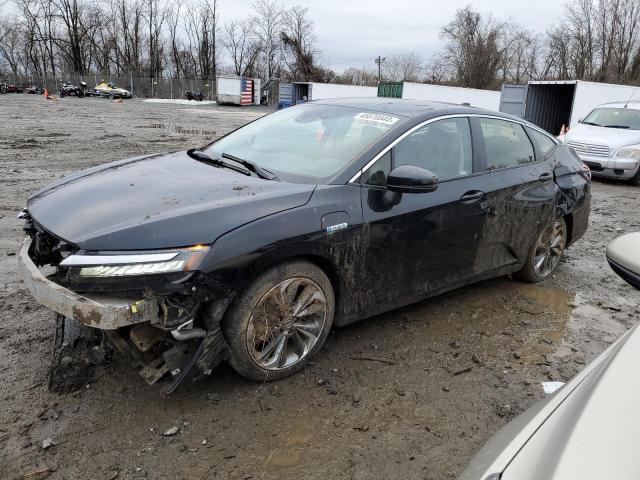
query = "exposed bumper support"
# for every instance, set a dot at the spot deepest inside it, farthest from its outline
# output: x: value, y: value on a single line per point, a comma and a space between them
x: 101, y: 311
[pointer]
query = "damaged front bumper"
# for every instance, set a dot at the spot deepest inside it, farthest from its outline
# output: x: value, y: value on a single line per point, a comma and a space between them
x: 106, y: 312
x: 135, y: 325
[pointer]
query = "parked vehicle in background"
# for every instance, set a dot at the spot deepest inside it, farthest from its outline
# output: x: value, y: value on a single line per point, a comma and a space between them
x: 608, y: 141
x: 69, y: 89
x: 108, y: 89
x: 320, y: 214
x: 195, y: 95
x: 588, y: 429
x: 34, y: 90
x: 9, y: 88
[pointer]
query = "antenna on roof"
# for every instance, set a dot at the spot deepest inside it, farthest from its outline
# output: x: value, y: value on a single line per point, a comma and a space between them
x: 633, y: 91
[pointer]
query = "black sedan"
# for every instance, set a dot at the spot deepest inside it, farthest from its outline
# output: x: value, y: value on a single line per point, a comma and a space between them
x: 315, y: 216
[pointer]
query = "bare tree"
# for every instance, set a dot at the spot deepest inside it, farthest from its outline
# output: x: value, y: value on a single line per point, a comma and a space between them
x: 474, y: 48
x: 403, y: 67
x: 298, y: 44
x: 241, y: 45
x: 268, y: 23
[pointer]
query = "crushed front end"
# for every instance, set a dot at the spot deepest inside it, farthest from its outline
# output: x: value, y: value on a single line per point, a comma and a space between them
x: 155, y: 307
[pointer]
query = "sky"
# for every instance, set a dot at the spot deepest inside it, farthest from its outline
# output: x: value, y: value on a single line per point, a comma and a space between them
x: 354, y: 32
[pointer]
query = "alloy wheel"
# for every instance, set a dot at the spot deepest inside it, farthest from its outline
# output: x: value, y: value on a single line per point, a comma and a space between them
x: 549, y: 248
x: 286, y: 323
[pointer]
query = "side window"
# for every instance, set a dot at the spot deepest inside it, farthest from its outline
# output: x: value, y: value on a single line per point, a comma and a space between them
x: 377, y: 173
x: 443, y: 147
x: 506, y: 143
x: 543, y: 142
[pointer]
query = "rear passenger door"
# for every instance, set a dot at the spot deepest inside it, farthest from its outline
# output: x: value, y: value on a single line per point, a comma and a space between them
x: 520, y: 192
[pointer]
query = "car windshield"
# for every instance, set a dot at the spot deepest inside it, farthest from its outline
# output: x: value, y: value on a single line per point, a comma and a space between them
x: 627, y: 118
x: 306, y: 142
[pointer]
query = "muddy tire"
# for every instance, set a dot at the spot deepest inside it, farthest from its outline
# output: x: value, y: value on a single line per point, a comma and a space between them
x: 545, y: 253
x: 280, y: 321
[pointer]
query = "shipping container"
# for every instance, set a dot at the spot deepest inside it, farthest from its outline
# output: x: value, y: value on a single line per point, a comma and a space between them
x: 550, y: 104
x: 276, y: 93
x: 390, y: 89
x: 488, y: 99
x: 286, y: 94
x: 238, y: 90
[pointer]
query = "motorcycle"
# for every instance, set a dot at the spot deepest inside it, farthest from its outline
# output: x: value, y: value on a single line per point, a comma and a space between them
x: 69, y: 89
x: 195, y: 95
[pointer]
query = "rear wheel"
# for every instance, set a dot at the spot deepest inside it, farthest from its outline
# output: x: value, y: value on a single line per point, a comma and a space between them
x: 545, y: 253
x: 280, y: 321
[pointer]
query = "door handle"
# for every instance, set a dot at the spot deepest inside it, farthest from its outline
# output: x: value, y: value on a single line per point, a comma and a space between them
x: 472, y: 196
x: 545, y: 177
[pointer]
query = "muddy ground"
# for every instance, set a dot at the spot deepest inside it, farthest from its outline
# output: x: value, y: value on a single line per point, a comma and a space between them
x: 411, y: 394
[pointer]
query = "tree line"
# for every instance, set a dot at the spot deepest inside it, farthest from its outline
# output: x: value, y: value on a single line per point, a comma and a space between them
x: 156, y: 38
x: 596, y: 40
x: 593, y: 40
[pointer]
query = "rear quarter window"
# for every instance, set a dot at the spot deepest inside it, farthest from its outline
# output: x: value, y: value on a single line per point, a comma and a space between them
x: 506, y: 143
x: 545, y: 145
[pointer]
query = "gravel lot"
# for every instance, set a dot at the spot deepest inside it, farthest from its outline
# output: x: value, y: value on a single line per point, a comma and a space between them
x: 454, y: 370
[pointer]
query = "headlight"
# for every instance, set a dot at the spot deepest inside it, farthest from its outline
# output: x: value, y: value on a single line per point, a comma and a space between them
x: 139, y: 263
x: 632, y: 151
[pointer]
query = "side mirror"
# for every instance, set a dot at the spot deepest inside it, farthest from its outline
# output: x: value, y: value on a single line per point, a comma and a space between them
x: 410, y: 179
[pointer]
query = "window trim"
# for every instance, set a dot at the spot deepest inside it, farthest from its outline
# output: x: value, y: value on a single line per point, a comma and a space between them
x: 355, y: 179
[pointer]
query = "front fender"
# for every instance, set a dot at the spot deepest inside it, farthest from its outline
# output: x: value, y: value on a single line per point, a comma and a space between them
x: 316, y: 230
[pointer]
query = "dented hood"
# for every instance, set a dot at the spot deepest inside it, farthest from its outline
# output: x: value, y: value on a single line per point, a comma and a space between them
x: 160, y: 201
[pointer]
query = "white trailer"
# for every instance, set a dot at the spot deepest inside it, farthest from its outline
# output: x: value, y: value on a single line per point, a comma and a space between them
x: 238, y: 90
x: 488, y: 99
x: 320, y: 91
x: 553, y: 103
x: 307, y: 91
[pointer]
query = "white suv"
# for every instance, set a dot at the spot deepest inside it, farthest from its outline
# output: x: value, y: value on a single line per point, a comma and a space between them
x: 608, y: 141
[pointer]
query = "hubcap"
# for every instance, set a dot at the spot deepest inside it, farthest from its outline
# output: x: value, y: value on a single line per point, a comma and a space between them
x: 286, y: 323
x: 549, y: 248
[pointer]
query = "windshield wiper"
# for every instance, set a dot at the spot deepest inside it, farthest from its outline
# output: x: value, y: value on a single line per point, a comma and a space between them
x: 617, y: 126
x: 216, y: 162
x: 591, y: 123
x: 252, y: 166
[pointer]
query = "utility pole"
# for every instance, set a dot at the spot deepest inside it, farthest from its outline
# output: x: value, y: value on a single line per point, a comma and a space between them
x: 379, y: 61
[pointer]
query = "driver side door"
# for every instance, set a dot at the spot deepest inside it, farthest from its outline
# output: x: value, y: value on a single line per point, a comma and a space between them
x: 423, y: 242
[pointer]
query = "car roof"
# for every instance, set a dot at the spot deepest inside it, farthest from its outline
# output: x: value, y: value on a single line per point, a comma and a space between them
x: 408, y: 108
x: 633, y: 104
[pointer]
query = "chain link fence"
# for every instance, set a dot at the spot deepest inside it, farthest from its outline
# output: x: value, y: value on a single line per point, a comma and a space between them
x: 139, y: 86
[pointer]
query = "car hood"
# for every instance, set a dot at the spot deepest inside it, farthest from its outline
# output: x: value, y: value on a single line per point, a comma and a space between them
x: 587, y: 429
x: 159, y: 201
x: 614, y: 138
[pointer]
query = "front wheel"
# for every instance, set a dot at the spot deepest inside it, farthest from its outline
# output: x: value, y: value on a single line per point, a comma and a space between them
x: 545, y: 253
x: 635, y: 180
x: 280, y: 321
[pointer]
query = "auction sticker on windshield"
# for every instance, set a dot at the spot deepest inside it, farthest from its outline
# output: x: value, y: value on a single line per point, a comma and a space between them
x: 376, y: 117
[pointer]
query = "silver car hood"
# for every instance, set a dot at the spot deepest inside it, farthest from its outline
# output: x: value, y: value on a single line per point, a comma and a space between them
x: 586, y: 430
x: 614, y: 138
